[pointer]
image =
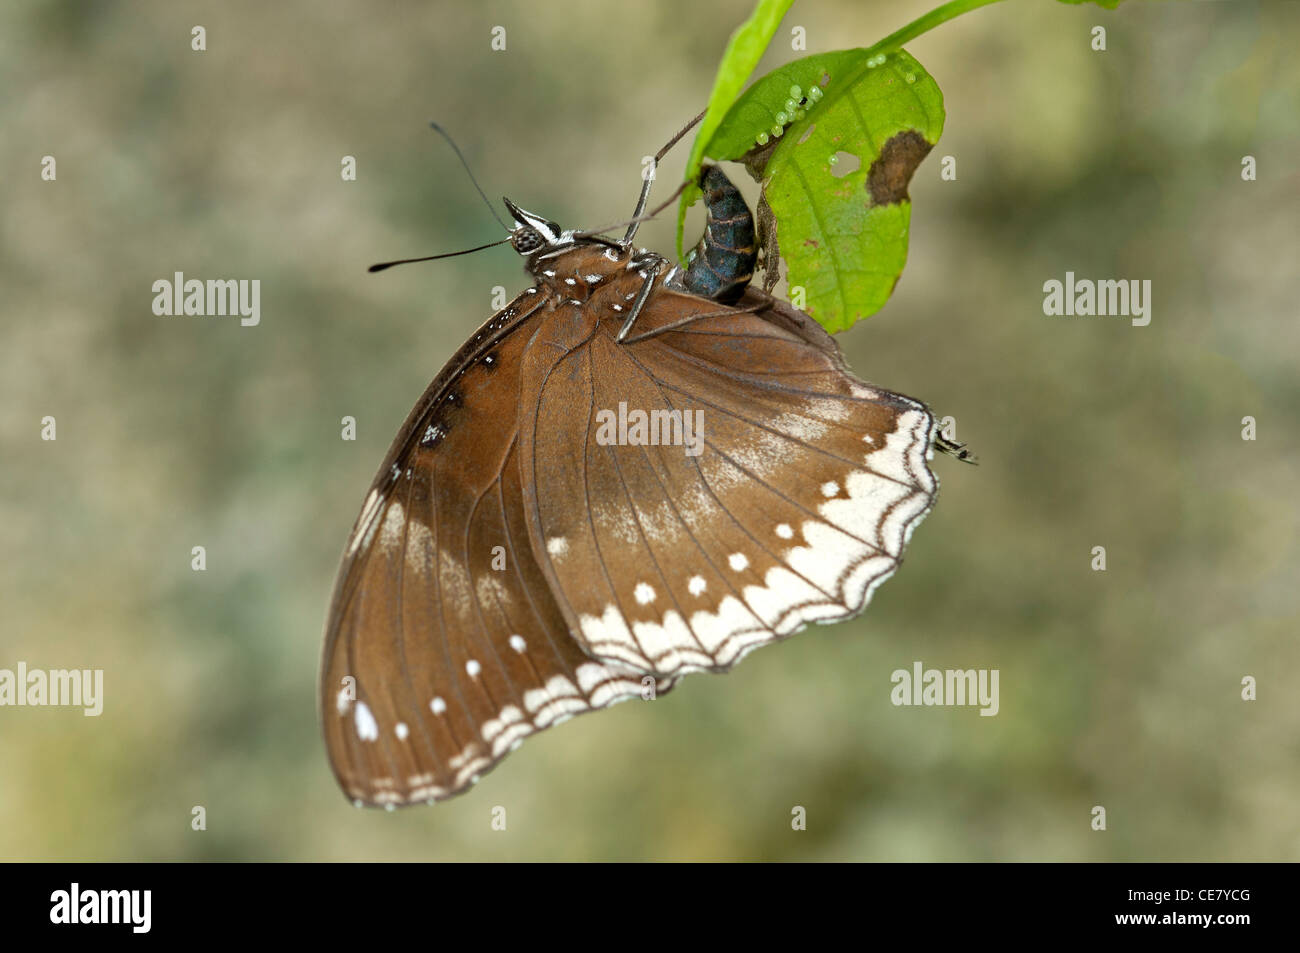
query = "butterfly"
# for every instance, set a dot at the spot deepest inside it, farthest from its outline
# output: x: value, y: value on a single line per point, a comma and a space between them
x: 631, y: 472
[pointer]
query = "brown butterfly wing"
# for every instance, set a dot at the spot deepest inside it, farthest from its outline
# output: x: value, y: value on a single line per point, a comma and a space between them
x: 441, y: 618
x: 806, y: 490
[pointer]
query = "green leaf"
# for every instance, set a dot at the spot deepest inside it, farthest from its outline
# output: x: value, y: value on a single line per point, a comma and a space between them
x: 1108, y: 4
x: 744, y: 50
x: 843, y: 237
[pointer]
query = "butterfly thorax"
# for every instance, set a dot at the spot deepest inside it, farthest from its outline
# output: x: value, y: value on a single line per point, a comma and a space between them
x: 606, y: 277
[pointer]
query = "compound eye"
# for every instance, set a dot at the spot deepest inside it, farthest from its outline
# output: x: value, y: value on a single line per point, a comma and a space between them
x: 526, y: 241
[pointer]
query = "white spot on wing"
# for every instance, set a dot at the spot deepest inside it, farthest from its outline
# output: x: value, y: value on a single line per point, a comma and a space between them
x: 510, y: 738
x: 557, y: 546
x: 366, y: 522
x: 716, y: 629
x: 472, y: 668
x: 784, y: 531
x: 509, y: 715
x: 401, y: 731
x: 390, y: 536
x: 517, y: 643
x: 645, y: 593
x: 367, y: 727
x: 670, y: 645
x: 590, y: 675
x: 419, y: 546
x: 437, y: 706
x: 697, y: 585
x: 738, y: 561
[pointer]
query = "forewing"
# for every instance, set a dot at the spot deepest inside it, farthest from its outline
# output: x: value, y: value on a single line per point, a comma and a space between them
x: 444, y: 647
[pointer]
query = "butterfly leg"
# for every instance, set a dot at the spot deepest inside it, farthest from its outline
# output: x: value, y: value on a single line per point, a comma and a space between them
x: 650, y: 179
x: 649, y: 263
x: 641, y: 203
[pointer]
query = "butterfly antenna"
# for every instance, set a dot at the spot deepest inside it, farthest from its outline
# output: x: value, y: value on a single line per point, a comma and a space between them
x: 459, y: 155
x: 451, y: 254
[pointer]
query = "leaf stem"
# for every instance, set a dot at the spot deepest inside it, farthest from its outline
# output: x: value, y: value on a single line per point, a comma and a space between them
x: 923, y: 24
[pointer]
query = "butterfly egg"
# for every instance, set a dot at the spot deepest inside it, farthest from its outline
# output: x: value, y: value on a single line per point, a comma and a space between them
x: 800, y: 113
x: 777, y: 130
x: 763, y: 139
x: 782, y: 118
x: 910, y: 77
x: 791, y: 105
x: 796, y: 93
x: 814, y: 94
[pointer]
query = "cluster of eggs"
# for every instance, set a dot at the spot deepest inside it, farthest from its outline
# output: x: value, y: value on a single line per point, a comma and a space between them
x: 798, y: 103
x: 795, y: 107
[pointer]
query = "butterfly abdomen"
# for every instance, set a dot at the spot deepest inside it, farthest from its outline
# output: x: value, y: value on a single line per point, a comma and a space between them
x: 720, y: 266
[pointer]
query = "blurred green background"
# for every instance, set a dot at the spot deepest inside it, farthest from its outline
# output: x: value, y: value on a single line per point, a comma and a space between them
x: 1119, y: 689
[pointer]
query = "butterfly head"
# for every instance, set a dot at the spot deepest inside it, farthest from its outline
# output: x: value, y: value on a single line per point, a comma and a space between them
x: 532, y: 233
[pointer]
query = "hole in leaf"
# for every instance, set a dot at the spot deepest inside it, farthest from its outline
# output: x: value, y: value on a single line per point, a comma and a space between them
x: 807, y: 132
x: 844, y: 163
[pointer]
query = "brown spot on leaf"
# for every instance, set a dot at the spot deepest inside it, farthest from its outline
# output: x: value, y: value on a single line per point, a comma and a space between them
x: 813, y: 242
x: 889, y: 175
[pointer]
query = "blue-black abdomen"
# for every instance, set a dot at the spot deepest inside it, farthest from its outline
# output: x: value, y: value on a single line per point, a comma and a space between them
x: 720, y: 266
